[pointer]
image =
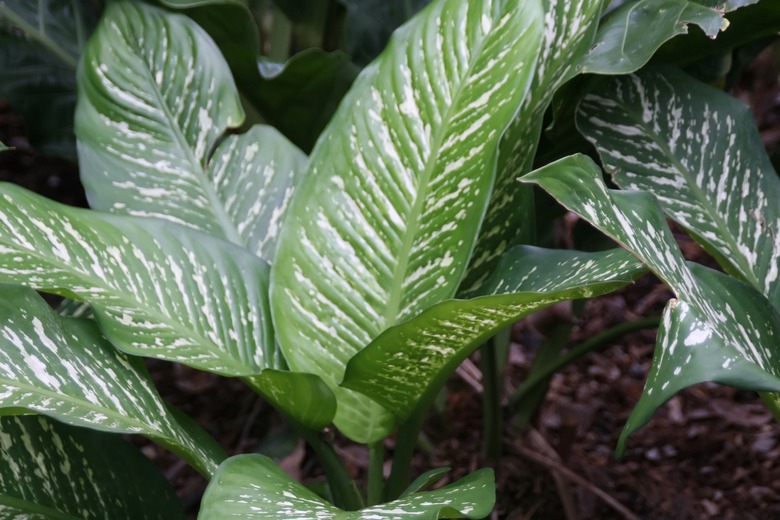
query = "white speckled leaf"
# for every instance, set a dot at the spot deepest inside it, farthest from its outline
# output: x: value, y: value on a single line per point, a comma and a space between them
x: 569, y: 29
x: 387, y: 214
x: 50, y: 471
x: 689, y: 351
x: 635, y: 219
x: 407, y: 364
x: 253, y: 487
x: 64, y: 368
x: 633, y: 32
x: 254, y: 175
x: 155, y: 97
x: 698, y: 150
x: 157, y: 289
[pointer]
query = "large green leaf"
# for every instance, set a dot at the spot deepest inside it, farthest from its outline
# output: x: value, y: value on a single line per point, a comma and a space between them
x: 64, y: 368
x: 40, y: 45
x: 253, y: 487
x: 715, y: 311
x: 633, y: 32
x: 384, y: 221
x: 407, y: 364
x: 150, y: 114
x: 149, y: 119
x: 53, y: 471
x: 698, y: 150
x: 157, y: 289
x: 569, y: 29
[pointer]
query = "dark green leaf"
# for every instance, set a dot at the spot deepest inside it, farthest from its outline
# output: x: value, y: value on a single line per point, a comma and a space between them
x: 53, y: 471
x: 40, y: 45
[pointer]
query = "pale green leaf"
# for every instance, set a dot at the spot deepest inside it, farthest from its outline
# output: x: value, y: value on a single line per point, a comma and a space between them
x: 53, y: 471
x: 632, y: 33
x: 254, y: 175
x: 569, y: 29
x: 3, y: 147
x: 699, y: 151
x: 406, y: 365
x: 732, y: 314
x: 253, y: 487
x: 65, y: 369
x: 155, y: 96
x: 157, y: 289
x: 386, y: 216
x: 40, y: 45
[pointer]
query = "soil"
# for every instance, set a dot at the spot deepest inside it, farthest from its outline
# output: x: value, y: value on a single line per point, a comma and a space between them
x: 710, y: 453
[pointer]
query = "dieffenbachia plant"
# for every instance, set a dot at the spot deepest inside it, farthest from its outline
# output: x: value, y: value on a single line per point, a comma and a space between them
x: 698, y: 151
x: 344, y: 287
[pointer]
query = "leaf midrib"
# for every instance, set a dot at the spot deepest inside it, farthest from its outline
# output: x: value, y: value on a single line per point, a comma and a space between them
x: 27, y: 506
x: 221, y: 216
x: 122, y: 297
x: 397, y: 293
x: 698, y: 194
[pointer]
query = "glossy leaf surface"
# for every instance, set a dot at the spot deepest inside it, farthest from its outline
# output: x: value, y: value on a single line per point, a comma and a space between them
x: 408, y: 363
x: 40, y: 45
x: 715, y: 310
x: 64, y: 368
x: 253, y: 487
x: 622, y: 49
x: 155, y: 96
x: 157, y: 289
x: 53, y: 471
x: 569, y: 29
x: 699, y: 151
x: 384, y: 220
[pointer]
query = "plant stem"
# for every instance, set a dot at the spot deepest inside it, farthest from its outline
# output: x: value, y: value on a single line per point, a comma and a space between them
x: 594, y: 343
x: 491, y: 400
x: 375, y: 470
x: 405, y: 443
x: 343, y: 490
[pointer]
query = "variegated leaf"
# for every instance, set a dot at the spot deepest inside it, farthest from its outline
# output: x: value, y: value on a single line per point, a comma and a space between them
x: 387, y: 214
x: 737, y: 316
x: 406, y: 365
x: 698, y: 150
x: 64, y: 368
x: 569, y: 29
x: 157, y: 289
x: 253, y: 487
x: 632, y: 33
x: 254, y: 175
x: 149, y: 118
x: 689, y: 351
x: 53, y: 471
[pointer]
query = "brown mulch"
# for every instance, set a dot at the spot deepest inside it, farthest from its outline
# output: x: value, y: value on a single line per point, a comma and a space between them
x: 710, y: 453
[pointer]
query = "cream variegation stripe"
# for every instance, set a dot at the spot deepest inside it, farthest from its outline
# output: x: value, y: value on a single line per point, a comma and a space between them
x: 50, y: 470
x: 149, y: 119
x: 409, y: 361
x: 698, y: 150
x: 63, y: 368
x: 569, y: 28
x: 157, y: 289
x: 386, y: 217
